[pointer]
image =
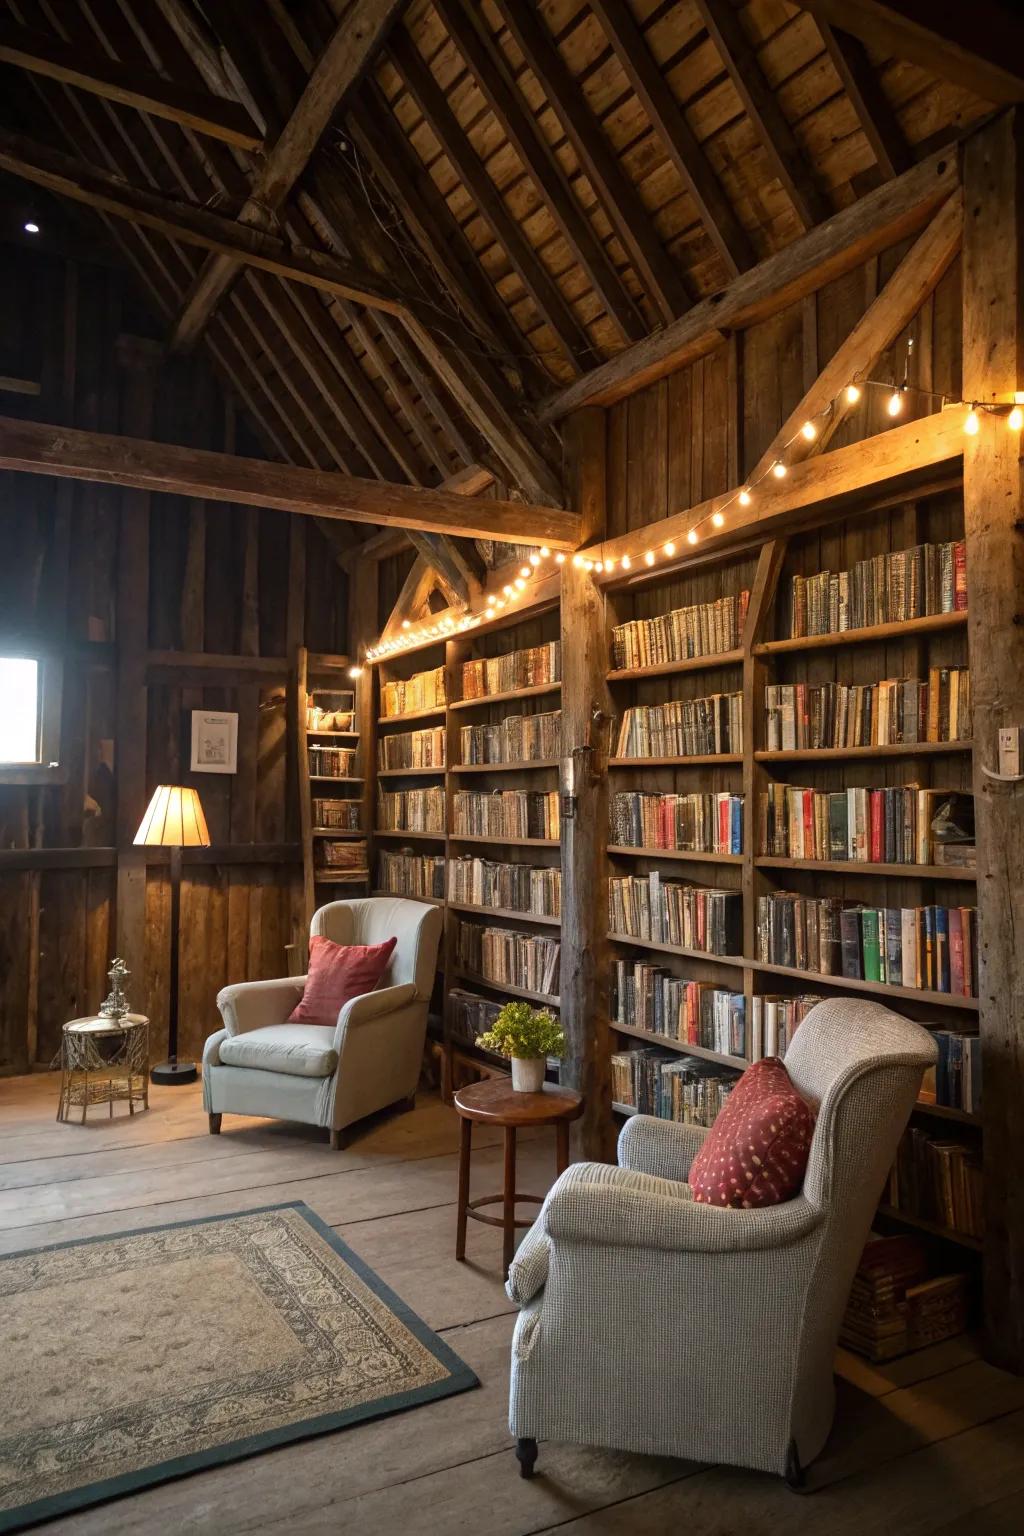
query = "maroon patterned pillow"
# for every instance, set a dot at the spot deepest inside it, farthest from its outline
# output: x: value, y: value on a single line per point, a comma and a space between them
x: 756, y: 1151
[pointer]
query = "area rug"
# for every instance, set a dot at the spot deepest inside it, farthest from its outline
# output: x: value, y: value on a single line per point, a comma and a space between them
x: 131, y: 1359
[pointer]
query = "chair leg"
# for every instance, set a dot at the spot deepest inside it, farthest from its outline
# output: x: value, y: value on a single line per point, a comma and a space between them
x: 340, y: 1139
x: 526, y: 1455
x: 796, y: 1478
x: 215, y: 1121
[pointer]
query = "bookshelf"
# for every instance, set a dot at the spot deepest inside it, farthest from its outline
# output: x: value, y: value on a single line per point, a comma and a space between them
x: 325, y: 720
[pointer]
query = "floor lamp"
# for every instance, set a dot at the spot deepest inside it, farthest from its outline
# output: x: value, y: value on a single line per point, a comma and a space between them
x: 174, y: 820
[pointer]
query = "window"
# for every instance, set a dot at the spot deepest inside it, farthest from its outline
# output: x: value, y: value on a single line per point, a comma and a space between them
x: 30, y: 700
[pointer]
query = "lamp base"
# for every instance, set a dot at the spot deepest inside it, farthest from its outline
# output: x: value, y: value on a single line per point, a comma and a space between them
x: 174, y: 1074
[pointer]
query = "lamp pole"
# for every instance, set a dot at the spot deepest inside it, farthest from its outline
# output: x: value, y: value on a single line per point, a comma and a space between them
x: 173, y: 1071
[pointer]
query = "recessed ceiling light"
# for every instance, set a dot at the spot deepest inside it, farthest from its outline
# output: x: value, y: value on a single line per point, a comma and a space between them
x: 31, y: 228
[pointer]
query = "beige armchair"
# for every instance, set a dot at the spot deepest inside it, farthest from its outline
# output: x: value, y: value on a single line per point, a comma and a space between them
x: 260, y: 1065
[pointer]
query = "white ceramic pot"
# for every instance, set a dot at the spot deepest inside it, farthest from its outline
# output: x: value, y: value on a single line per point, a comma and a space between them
x: 528, y: 1073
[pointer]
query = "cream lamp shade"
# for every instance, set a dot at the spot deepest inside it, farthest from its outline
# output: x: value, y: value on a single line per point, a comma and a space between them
x: 174, y: 819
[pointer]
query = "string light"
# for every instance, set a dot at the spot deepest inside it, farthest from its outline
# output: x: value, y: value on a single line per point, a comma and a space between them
x: 808, y: 431
x: 560, y: 558
x: 971, y: 424
x: 670, y: 550
x: 1015, y: 420
x: 895, y: 402
x: 779, y: 470
x: 627, y: 563
x: 691, y: 537
x: 717, y: 519
x: 852, y: 394
x: 649, y: 557
x: 744, y: 498
x: 355, y: 672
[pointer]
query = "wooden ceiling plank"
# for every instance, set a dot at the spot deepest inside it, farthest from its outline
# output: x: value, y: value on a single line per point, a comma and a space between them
x: 476, y: 44
x: 669, y: 122
x: 619, y: 198
x: 860, y: 81
x: 43, y: 448
x: 343, y: 313
x: 761, y: 105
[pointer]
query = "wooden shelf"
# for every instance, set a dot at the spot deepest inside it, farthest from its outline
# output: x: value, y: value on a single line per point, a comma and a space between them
x: 506, y: 912
x: 320, y: 735
x: 947, y: 1112
x: 340, y: 833
x: 505, y: 842
x: 861, y: 867
x: 623, y: 1109
x: 429, y: 901
x: 535, y: 691
x: 550, y: 762
x: 866, y: 636
x: 416, y: 714
x: 879, y: 988
x: 506, y: 986
x: 740, y: 1063
x: 341, y: 876
x: 681, y: 855
x: 407, y: 773
x: 935, y: 1228
x: 701, y: 760
x: 333, y: 778
x: 671, y: 668
x: 425, y: 837
x: 678, y: 949
x: 890, y: 749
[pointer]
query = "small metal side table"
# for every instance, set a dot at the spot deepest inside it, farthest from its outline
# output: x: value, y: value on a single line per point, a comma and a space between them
x: 103, y: 1061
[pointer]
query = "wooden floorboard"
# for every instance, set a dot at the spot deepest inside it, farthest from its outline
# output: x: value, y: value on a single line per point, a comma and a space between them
x: 930, y: 1445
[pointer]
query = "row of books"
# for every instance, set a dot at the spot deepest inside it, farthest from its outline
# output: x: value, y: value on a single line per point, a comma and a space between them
x: 508, y: 957
x: 516, y: 739
x: 338, y: 815
x: 513, y: 887
x: 935, y: 948
x: 527, y: 668
x: 883, y: 589
x: 411, y: 810
x: 469, y: 1015
x: 774, y: 1021
x: 955, y: 1080
x: 683, y: 727
x: 407, y: 696
x: 647, y: 996
x: 897, y: 1305
x: 347, y: 855
x: 411, y: 874
x: 891, y: 825
x: 682, y: 1088
x: 505, y: 813
x: 695, y: 823
x: 702, y: 629
x: 898, y: 709
x: 938, y: 1179
x: 669, y: 912
x: 331, y: 762
x: 412, y: 749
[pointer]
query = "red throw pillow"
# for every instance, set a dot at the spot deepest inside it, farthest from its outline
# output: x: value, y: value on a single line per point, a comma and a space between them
x: 756, y: 1151
x: 336, y: 974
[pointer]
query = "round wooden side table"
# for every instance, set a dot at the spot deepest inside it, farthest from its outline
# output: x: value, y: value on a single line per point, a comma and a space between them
x: 496, y: 1102
x: 103, y: 1060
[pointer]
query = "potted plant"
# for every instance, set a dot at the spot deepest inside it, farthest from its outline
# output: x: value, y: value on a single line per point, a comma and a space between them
x: 528, y: 1036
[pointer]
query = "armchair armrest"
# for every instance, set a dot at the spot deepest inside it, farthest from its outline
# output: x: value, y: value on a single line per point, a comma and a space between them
x: 661, y: 1147
x: 592, y: 1203
x: 249, y: 1005
x: 372, y: 1005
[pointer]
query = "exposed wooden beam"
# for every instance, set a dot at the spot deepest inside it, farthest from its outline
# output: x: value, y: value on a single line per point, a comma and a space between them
x: 677, y: 137
x: 350, y: 315
x: 354, y: 42
x: 456, y: 581
x: 129, y: 84
x: 917, y: 276
x: 761, y: 105
x: 44, y: 449
x: 189, y: 224
x: 470, y: 34
x: 977, y: 45
x: 620, y: 199
x: 420, y: 581
x: 845, y: 241
x: 391, y: 541
x: 860, y: 81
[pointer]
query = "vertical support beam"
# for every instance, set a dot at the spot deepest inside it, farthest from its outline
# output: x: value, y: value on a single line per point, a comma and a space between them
x: 586, y: 722
x: 993, y: 363
x: 363, y: 629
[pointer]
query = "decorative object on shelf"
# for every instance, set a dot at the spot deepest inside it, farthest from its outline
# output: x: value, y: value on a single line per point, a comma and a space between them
x: 104, y: 1060
x: 174, y: 819
x: 214, y: 742
x: 115, y: 1004
x: 527, y: 1036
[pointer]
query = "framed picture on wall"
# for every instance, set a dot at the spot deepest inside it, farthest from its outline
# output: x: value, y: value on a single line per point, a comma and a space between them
x: 214, y: 742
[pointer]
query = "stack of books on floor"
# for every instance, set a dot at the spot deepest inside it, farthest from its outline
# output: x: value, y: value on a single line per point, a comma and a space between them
x: 412, y: 749
x: 898, y: 709
x: 891, y: 825
x: 338, y: 815
x: 955, y: 1081
x: 774, y: 1022
x: 896, y: 1306
x: 702, y: 629
x: 938, y: 1179
x: 341, y: 856
x: 412, y: 874
x: 516, y: 739
x: 669, y: 912
x: 884, y: 589
x: 683, y: 727
x: 517, y: 669
x: 412, y: 810
x: 682, y: 1088
x: 426, y: 690
x: 506, y: 813
x: 696, y: 823
x: 647, y: 996
x: 330, y: 762
x: 507, y: 957
x: 935, y: 948
x: 514, y: 887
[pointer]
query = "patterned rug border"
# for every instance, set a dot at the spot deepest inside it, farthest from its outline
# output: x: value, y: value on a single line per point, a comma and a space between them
x: 460, y: 1379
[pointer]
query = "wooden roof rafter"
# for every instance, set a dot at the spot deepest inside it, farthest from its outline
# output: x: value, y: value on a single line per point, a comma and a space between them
x: 860, y: 81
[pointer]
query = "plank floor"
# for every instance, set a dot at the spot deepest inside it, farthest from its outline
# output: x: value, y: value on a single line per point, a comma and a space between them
x: 932, y: 1445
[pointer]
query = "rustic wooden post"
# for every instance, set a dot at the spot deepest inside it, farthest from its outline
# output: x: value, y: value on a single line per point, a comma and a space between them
x: 363, y: 629
x: 993, y: 368
x: 586, y: 719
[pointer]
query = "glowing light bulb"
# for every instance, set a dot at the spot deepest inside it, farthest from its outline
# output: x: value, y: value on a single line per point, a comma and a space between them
x: 406, y: 624
x: 895, y: 403
x: 599, y: 565
x: 717, y: 520
x: 670, y: 550
x: 609, y: 565
x: 691, y: 537
x: 972, y: 423
x: 627, y: 563
x: 744, y: 498
x: 545, y: 553
x: 500, y: 604
x: 588, y: 565
x: 779, y: 470
x: 489, y: 613
x: 560, y: 558
x: 355, y: 671
x: 525, y: 570
x: 1015, y: 420
x: 520, y: 583
x: 31, y: 228
x: 852, y: 394
x: 507, y: 591
x: 649, y: 557
x: 808, y: 431
x: 577, y: 561
x: 535, y: 560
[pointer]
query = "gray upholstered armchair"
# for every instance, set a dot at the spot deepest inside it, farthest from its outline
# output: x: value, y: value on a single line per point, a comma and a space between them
x: 260, y: 1065
x: 654, y: 1324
